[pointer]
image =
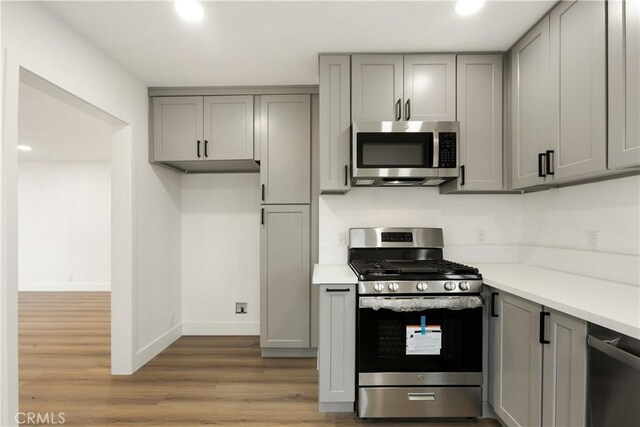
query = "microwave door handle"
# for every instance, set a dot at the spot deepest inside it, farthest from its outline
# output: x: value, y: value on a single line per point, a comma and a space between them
x: 436, y: 150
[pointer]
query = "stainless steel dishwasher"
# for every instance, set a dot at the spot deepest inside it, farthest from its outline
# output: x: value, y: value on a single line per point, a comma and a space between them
x: 614, y: 379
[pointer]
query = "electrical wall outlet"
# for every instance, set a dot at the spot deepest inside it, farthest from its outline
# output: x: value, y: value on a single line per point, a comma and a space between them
x: 482, y: 236
x: 342, y: 238
x: 592, y: 239
x: 241, y: 308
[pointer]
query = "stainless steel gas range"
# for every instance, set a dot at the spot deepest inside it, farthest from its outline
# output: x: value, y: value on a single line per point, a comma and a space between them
x: 419, y: 326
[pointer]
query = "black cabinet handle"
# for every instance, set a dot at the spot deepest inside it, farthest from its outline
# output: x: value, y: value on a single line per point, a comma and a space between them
x: 407, y: 109
x: 206, y: 148
x: 462, y: 177
x: 262, y: 192
x: 493, y: 304
x: 346, y: 175
x: 198, y: 149
x: 262, y: 216
x: 338, y: 290
x: 541, y: 157
x: 399, y: 109
x: 550, y: 158
x: 543, y: 315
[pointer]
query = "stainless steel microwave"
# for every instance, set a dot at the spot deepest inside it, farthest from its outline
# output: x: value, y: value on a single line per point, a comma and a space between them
x: 404, y: 153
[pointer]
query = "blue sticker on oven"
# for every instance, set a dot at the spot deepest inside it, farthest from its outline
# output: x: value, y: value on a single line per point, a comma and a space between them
x: 424, y: 339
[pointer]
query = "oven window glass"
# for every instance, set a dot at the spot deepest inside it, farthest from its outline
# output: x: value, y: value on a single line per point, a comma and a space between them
x: 394, y: 150
x: 383, y: 343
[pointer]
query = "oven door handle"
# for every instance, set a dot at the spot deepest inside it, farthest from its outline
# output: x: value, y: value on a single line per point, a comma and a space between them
x: 421, y: 396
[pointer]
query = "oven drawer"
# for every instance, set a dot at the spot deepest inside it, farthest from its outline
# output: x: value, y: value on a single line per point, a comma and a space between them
x: 417, y: 402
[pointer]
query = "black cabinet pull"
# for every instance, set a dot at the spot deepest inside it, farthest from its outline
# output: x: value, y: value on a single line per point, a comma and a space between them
x: 346, y: 175
x: 493, y: 304
x: 262, y: 192
x: 550, y: 158
x: 541, y: 157
x: 338, y: 290
x: 262, y: 216
x: 407, y: 109
x: 399, y: 109
x: 206, y: 148
x: 198, y: 149
x: 462, y: 177
x: 543, y: 315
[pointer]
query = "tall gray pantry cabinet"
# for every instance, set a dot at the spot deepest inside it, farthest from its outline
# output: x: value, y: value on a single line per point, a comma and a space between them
x: 285, y: 180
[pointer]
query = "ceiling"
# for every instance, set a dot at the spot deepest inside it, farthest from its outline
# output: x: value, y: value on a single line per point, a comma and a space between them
x: 277, y: 43
x: 57, y: 131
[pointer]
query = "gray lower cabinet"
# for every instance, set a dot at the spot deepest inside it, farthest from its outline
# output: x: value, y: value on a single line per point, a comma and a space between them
x: 376, y: 87
x: 284, y: 276
x: 335, y: 122
x: 624, y: 83
x: 285, y: 142
x: 530, y: 126
x: 336, y: 348
x: 578, y: 89
x: 429, y: 88
x: 177, y: 128
x: 537, y: 377
x: 228, y: 127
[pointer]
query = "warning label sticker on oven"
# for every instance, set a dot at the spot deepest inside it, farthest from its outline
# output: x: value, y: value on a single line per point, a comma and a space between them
x: 424, y: 339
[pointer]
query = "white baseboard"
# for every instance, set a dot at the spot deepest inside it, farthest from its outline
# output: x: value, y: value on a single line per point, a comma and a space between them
x: 156, y: 347
x: 221, y: 328
x: 65, y: 287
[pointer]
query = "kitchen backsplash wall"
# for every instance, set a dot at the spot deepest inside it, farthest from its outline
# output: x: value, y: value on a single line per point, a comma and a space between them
x: 220, y: 253
x: 477, y: 228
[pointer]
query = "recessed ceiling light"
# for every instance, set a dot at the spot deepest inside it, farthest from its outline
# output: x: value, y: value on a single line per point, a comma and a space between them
x: 24, y: 148
x: 189, y: 10
x: 467, y: 7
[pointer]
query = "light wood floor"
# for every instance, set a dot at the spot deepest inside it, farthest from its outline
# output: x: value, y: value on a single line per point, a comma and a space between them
x: 64, y: 366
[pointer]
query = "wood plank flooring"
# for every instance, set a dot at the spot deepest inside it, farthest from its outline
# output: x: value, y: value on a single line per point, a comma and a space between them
x: 64, y: 366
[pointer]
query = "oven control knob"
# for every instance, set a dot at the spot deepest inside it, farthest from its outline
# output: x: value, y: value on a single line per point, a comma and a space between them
x: 450, y: 286
x: 393, y: 286
x: 464, y: 286
x: 378, y: 286
x: 422, y: 286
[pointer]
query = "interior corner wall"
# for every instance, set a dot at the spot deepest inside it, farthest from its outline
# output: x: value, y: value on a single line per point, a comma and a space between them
x: 42, y: 43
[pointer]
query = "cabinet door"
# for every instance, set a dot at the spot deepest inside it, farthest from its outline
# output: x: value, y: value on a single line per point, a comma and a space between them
x: 429, y: 87
x: 376, y: 87
x: 578, y: 88
x: 565, y: 371
x: 177, y: 128
x: 285, y: 170
x: 480, y: 115
x: 337, y: 352
x: 530, y: 106
x: 624, y: 83
x: 335, y: 122
x: 519, y: 390
x: 228, y: 127
x: 284, y: 277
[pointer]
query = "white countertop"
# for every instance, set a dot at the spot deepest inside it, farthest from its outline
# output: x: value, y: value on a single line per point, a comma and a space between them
x: 333, y: 274
x: 610, y: 304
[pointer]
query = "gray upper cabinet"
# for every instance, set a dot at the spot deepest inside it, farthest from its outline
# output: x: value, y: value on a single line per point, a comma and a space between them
x: 376, y: 87
x: 335, y: 123
x: 530, y: 125
x: 565, y: 371
x: 479, y: 92
x: 578, y: 89
x: 429, y: 87
x: 284, y: 276
x: 285, y: 170
x: 624, y: 83
x: 228, y: 127
x: 177, y: 128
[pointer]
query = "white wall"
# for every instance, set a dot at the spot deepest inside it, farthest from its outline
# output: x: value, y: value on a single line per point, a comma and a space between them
x: 460, y: 217
x: 555, y: 224
x: 220, y: 253
x: 64, y: 227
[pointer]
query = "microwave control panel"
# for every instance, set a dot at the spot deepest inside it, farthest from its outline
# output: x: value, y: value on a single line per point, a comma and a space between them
x: 447, y: 157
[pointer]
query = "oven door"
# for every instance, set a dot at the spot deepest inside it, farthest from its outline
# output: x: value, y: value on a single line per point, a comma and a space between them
x: 427, y: 347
